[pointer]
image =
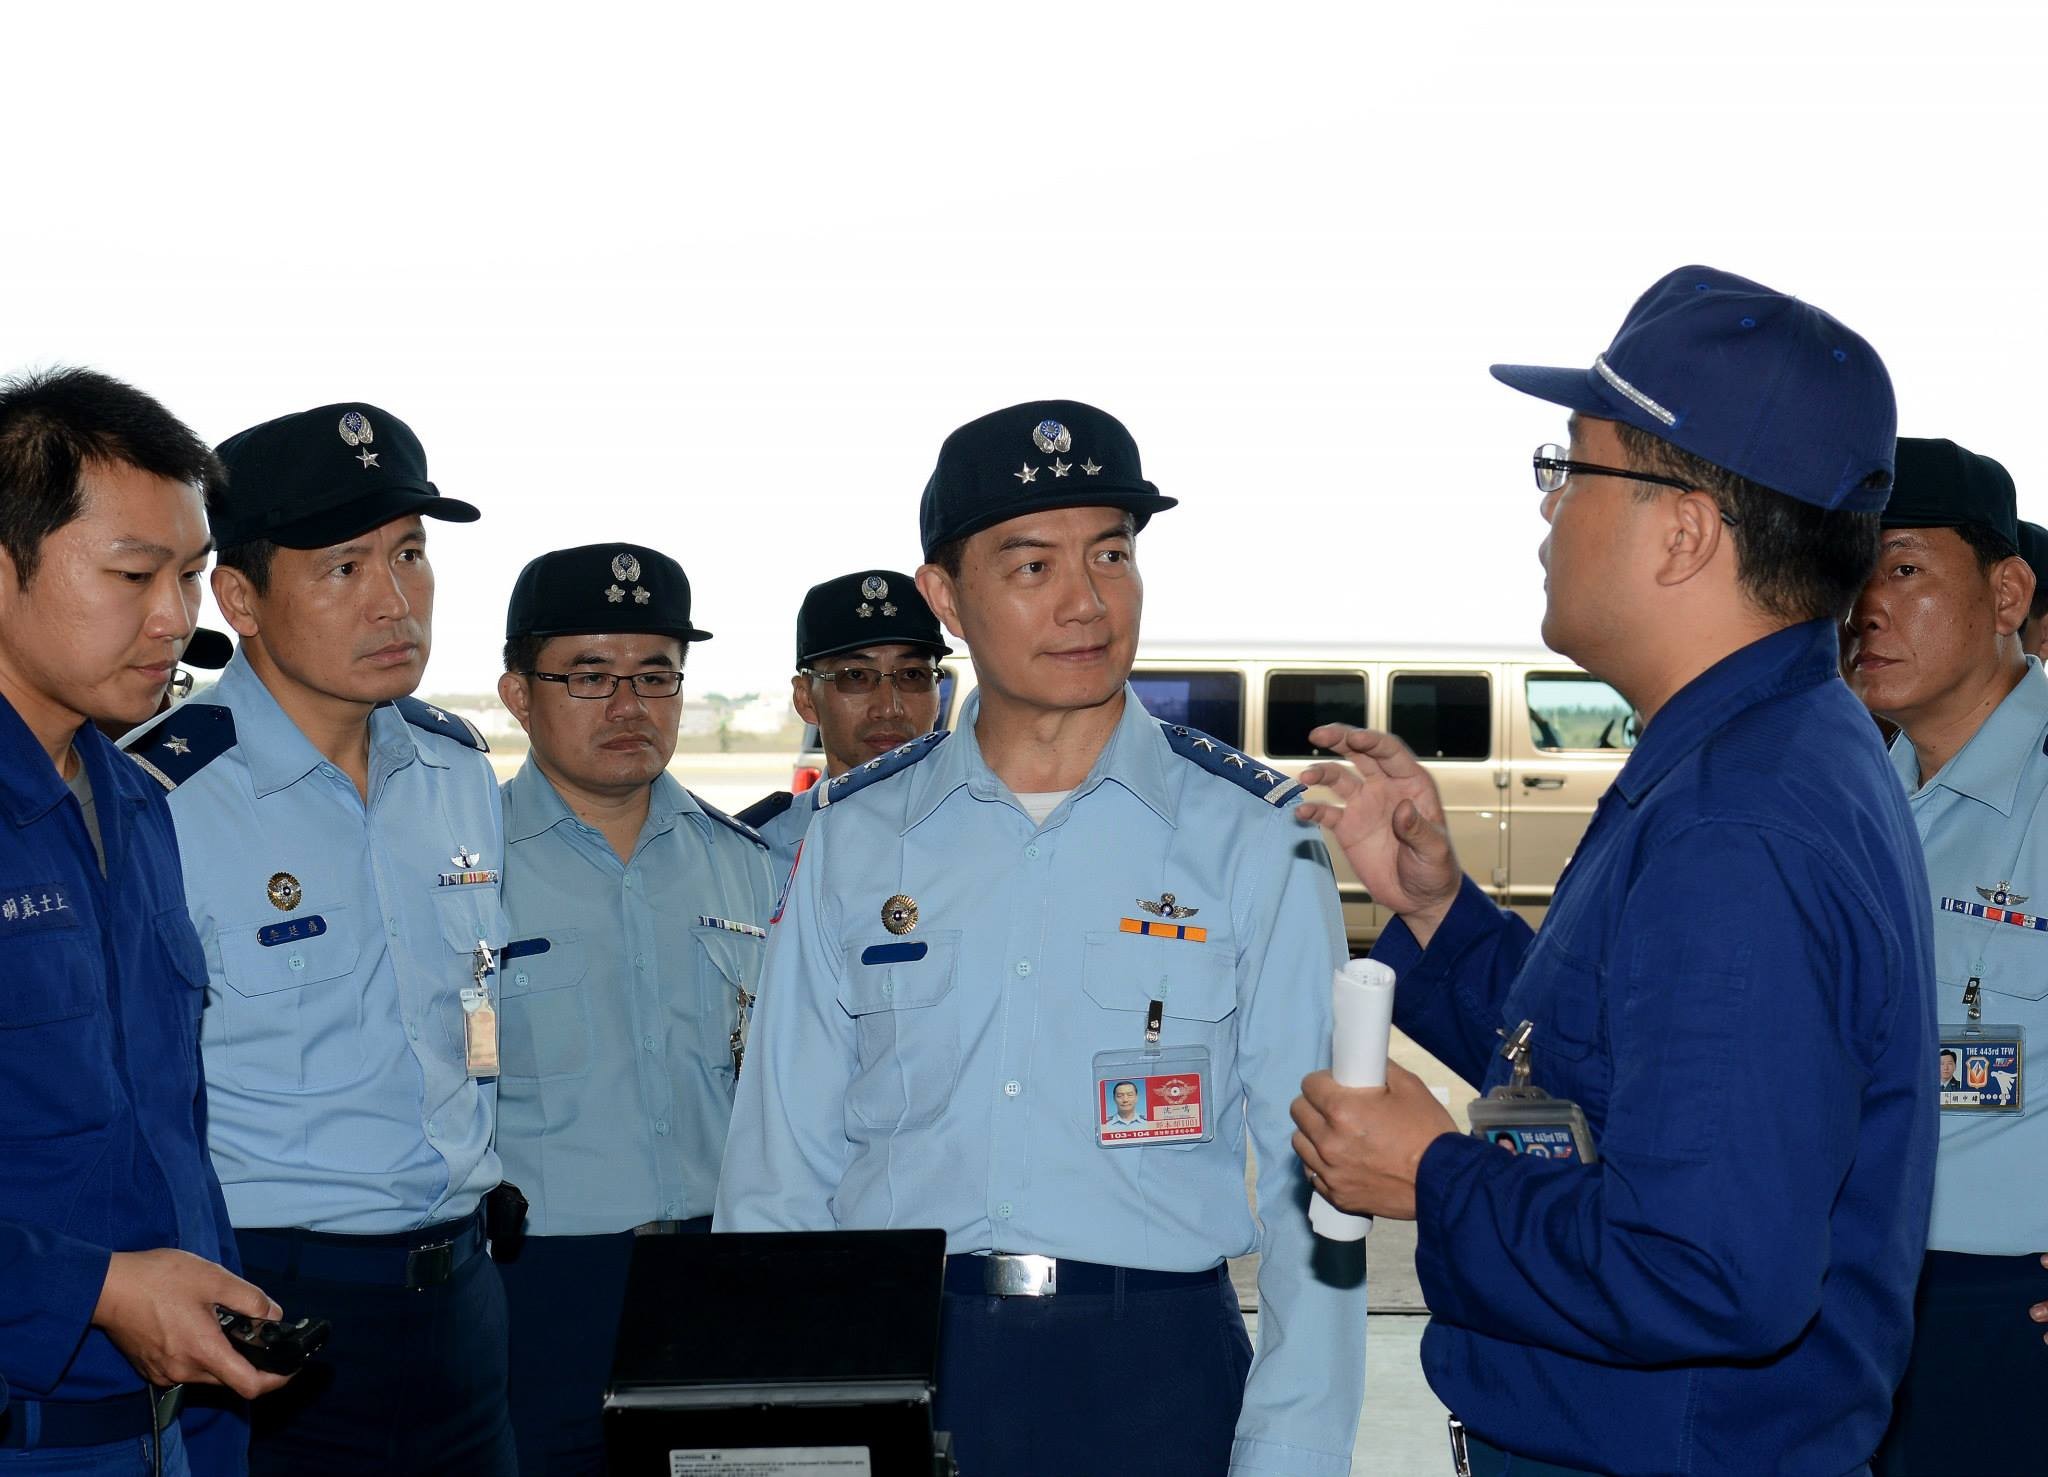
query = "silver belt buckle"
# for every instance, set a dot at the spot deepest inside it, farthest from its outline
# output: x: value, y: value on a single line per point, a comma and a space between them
x: 1008, y: 1275
x: 1461, y: 1457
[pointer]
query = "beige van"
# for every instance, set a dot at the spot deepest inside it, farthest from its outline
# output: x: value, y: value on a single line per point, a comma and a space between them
x: 1521, y: 742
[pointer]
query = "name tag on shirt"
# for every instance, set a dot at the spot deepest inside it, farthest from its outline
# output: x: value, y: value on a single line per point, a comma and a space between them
x: 1982, y: 1069
x: 309, y: 927
x: 31, y: 909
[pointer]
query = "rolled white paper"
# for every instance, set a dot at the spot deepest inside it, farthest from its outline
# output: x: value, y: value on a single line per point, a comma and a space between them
x: 1362, y: 999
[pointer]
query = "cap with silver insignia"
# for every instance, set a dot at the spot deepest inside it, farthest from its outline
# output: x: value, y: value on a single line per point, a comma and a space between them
x: 321, y: 476
x: 872, y: 607
x: 1015, y: 461
x: 615, y: 587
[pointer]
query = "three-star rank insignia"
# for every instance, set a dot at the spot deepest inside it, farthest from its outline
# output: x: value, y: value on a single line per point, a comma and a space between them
x: 284, y: 891
x: 899, y: 914
x: 357, y: 431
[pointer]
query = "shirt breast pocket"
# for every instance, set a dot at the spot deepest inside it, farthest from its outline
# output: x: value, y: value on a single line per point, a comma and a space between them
x: 1195, y: 983
x: 292, y: 1008
x: 2004, y: 958
x: 896, y: 990
x: 546, y: 1008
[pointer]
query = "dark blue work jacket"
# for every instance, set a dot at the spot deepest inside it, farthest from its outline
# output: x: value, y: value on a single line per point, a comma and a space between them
x: 102, y: 1120
x: 1735, y: 980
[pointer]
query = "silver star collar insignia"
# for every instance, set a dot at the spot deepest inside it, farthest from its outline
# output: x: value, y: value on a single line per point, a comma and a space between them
x: 1089, y: 468
x: 1028, y: 475
x: 178, y: 746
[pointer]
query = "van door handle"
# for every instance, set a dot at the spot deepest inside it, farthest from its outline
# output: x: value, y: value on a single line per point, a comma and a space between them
x: 1543, y: 782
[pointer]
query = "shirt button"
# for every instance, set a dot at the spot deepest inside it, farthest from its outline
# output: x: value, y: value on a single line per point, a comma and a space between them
x: 661, y: 1125
x: 888, y: 988
x: 672, y: 1211
x: 1003, y: 1210
x: 647, y: 1042
x: 519, y: 978
x: 412, y: 1029
x: 298, y: 961
x: 392, y: 925
x: 432, y: 1128
x: 639, y: 961
x: 1032, y: 852
x: 328, y: 770
x: 1012, y: 1087
x: 629, y: 884
x: 1023, y: 966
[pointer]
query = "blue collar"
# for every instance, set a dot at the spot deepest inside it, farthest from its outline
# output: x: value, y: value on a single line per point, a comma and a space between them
x: 534, y: 805
x: 1989, y: 766
x: 1788, y: 660
x: 30, y: 787
x: 1136, y: 757
x: 279, y: 755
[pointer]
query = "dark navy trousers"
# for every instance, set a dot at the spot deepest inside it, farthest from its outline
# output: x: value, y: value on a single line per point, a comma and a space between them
x: 412, y: 1380
x: 1133, y: 1381
x: 1974, y: 1402
x: 564, y: 1294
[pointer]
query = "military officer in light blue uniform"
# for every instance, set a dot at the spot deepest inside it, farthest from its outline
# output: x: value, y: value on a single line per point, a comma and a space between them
x: 639, y: 930
x: 867, y: 675
x: 985, y: 933
x: 1934, y: 647
x: 342, y: 847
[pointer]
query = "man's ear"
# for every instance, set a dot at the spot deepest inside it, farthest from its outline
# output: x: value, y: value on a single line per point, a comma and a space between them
x: 1692, y: 537
x: 517, y: 695
x: 2012, y: 593
x: 800, y: 698
x: 938, y: 590
x: 236, y: 598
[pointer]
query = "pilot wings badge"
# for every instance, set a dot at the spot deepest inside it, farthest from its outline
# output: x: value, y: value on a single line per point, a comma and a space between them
x: 2002, y: 896
x: 1166, y: 907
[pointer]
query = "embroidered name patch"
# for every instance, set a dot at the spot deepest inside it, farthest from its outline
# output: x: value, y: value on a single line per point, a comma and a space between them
x: 751, y: 930
x: 42, y: 905
x: 1151, y: 930
x: 309, y: 927
x: 1995, y: 915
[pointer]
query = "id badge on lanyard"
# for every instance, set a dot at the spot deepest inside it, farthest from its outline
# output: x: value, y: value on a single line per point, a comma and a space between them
x: 480, y: 1017
x: 1153, y: 1094
x: 1523, y: 1119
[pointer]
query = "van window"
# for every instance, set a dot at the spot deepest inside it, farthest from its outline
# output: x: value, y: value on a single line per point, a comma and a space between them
x: 1443, y: 715
x: 1210, y: 701
x: 1299, y: 701
x: 1571, y: 710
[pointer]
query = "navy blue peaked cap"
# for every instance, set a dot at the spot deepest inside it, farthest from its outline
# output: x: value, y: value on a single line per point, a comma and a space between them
x: 1752, y: 380
x: 1029, y: 458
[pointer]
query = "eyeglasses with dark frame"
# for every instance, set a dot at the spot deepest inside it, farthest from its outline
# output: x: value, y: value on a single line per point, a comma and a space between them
x: 599, y: 686
x: 1554, y: 468
x: 859, y: 681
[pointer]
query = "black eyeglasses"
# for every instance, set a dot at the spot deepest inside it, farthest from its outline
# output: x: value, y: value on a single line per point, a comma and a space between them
x: 600, y: 685
x: 859, y: 681
x: 1554, y: 468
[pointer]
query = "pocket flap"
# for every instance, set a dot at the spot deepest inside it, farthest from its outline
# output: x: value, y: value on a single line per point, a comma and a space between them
x: 1196, y: 982
x: 252, y: 967
x: 893, y: 983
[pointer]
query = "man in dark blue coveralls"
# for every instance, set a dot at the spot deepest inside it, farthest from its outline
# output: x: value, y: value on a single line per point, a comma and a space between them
x: 1727, y: 1288
x: 112, y: 1229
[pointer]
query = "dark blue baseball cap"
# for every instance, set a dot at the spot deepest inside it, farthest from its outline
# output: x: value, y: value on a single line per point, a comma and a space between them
x: 1752, y: 380
x: 1028, y: 458
x: 1943, y: 485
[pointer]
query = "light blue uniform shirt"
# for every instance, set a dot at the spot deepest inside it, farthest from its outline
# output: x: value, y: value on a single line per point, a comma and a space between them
x: 1983, y: 822
x: 958, y: 1089
x: 785, y: 832
x: 338, y: 1098
x: 618, y: 1034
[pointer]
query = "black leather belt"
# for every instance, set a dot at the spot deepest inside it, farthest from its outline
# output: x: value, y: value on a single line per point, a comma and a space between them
x: 415, y: 1260
x: 37, y: 1424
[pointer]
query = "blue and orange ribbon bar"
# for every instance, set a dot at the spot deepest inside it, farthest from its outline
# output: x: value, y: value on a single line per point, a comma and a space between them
x: 1152, y: 930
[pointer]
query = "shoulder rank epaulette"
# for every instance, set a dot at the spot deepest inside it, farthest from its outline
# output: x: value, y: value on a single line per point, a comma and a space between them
x: 766, y: 808
x: 725, y: 820
x: 183, y: 742
x: 894, y: 762
x: 1270, y: 785
x: 443, y: 722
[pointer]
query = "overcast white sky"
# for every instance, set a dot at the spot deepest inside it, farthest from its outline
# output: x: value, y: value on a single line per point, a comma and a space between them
x: 720, y: 281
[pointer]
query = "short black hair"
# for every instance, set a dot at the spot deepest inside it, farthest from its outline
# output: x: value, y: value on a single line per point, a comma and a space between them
x: 250, y: 559
x: 1988, y: 544
x: 1795, y: 561
x: 54, y: 423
